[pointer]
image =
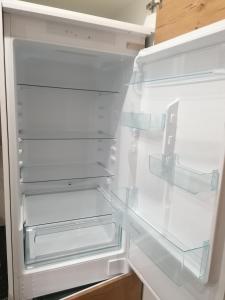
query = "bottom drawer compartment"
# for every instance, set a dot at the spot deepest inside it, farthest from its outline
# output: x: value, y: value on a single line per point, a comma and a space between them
x: 71, y: 238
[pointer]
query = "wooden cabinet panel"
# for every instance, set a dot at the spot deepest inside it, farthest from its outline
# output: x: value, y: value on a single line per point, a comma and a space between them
x: 178, y: 17
x: 123, y: 287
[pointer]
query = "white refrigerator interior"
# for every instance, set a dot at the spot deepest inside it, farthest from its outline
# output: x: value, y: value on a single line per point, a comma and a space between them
x: 68, y: 105
x: 115, y: 162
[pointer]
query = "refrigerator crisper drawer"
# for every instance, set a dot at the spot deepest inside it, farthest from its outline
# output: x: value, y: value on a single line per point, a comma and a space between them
x: 62, y: 225
x: 79, y: 237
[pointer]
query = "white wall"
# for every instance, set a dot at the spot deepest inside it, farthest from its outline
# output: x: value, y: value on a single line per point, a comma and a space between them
x: 135, y: 12
x: 132, y: 11
x: 94, y: 7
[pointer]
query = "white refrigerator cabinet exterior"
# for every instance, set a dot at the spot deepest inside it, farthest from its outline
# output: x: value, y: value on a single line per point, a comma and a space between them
x: 139, y: 186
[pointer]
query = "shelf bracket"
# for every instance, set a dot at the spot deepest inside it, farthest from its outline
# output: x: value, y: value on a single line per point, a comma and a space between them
x: 117, y: 266
x: 169, y: 138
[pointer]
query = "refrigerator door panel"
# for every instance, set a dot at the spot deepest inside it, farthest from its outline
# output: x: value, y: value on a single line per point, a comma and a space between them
x: 170, y: 186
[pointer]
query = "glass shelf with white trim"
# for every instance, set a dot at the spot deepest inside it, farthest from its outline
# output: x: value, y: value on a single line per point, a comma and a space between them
x: 66, y: 135
x: 67, y: 88
x: 180, y: 79
x: 48, y: 173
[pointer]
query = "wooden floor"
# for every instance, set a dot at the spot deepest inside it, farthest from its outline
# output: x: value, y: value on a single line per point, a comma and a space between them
x: 62, y: 294
x: 124, y: 287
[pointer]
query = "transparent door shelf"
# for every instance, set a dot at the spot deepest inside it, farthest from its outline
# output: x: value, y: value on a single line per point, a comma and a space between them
x: 188, y: 78
x: 174, y: 258
x: 101, y: 91
x: 65, y: 240
x: 190, y: 180
x: 67, y: 135
x: 46, y: 173
x: 144, y: 121
x: 66, y: 224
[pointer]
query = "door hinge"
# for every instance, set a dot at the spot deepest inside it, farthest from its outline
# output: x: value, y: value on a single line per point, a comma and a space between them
x: 153, y: 4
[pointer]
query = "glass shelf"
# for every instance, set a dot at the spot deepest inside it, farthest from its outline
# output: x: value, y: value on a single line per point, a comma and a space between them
x: 144, y: 121
x: 66, y: 240
x: 68, y: 88
x: 68, y: 135
x: 175, y: 259
x: 188, y: 78
x: 190, y: 180
x: 45, y: 173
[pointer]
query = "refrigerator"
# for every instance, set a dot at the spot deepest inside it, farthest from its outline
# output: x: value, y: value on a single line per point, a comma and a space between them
x: 113, y: 154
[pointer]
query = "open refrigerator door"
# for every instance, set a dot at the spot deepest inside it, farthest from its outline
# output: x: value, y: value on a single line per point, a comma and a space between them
x: 173, y: 198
